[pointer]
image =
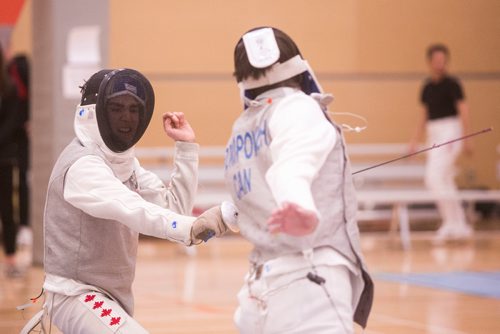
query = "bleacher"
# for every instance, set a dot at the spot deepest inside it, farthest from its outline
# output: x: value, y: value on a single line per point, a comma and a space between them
x: 394, y: 192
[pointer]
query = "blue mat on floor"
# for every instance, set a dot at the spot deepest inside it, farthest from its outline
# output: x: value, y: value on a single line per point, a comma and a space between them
x: 485, y: 284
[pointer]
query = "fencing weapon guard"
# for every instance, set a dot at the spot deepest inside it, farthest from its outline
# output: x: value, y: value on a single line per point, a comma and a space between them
x: 230, y: 216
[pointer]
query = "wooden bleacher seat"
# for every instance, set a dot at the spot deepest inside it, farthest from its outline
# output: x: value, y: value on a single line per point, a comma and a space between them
x: 386, y: 192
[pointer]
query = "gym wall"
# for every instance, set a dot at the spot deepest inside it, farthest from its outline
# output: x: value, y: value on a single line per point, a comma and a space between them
x: 369, y: 53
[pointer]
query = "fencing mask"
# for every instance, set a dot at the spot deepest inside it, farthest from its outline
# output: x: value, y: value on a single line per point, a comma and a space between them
x: 124, y: 101
x: 263, y: 52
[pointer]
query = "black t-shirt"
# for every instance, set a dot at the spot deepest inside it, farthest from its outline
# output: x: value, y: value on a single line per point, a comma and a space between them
x: 441, y: 97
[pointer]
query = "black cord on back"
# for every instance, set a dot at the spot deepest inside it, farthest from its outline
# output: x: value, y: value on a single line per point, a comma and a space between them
x: 317, y: 279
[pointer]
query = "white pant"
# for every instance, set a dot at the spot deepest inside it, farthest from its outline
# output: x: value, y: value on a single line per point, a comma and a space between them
x: 89, y: 313
x: 440, y: 169
x: 292, y: 304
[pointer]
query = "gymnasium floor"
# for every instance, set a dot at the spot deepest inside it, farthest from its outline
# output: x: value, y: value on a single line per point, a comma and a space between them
x: 452, y: 289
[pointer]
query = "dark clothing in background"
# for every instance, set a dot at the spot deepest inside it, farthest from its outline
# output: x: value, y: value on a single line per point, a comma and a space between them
x: 18, y: 69
x: 440, y: 98
x: 7, y: 209
x: 10, y: 121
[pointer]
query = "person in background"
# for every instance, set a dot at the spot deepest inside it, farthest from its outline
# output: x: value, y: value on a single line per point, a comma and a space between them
x: 444, y: 115
x: 18, y: 69
x: 10, y: 121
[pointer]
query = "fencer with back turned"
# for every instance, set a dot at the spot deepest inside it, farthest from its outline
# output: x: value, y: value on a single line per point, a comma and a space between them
x: 287, y: 170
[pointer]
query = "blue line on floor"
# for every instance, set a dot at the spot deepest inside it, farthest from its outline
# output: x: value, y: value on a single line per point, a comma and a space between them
x: 484, y: 284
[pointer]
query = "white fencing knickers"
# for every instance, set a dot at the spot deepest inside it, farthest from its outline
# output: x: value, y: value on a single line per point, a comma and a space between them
x: 290, y: 303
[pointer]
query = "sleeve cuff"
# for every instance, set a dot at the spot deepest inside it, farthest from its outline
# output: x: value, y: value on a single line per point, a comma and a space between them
x: 187, y: 151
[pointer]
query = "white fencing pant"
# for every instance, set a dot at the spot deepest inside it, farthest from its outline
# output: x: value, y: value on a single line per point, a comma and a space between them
x: 441, y: 170
x: 88, y: 313
x: 292, y: 304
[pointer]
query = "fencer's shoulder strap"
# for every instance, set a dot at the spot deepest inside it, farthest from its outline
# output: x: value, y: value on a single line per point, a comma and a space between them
x: 277, y: 73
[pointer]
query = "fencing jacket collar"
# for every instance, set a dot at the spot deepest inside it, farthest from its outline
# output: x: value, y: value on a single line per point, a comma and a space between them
x: 87, y: 132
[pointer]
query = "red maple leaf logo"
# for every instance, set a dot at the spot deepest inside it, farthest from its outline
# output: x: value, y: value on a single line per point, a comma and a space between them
x: 98, y: 305
x: 105, y: 312
x: 115, y: 321
x: 89, y: 298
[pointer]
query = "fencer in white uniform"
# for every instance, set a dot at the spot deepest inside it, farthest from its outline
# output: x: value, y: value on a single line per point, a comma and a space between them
x: 289, y: 175
x: 100, y: 199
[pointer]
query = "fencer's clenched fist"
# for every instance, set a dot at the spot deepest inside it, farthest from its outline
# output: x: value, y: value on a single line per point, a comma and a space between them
x: 215, y: 222
x: 177, y: 127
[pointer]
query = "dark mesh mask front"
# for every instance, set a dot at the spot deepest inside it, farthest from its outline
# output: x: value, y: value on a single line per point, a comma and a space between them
x: 124, y: 108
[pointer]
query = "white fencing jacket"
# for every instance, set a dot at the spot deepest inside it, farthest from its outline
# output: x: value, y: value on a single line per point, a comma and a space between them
x: 98, y: 202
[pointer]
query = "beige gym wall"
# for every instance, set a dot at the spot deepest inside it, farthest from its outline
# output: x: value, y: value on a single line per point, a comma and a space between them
x: 21, y: 39
x: 369, y: 53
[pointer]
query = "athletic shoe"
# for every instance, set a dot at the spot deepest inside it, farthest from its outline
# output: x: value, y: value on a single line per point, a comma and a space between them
x: 463, y: 232
x: 444, y: 233
x: 12, y: 271
x: 25, y: 236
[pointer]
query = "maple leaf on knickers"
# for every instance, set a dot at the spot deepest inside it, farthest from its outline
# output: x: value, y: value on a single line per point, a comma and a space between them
x: 115, y: 321
x: 105, y: 312
x: 98, y: 305
x: 89, y: 298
